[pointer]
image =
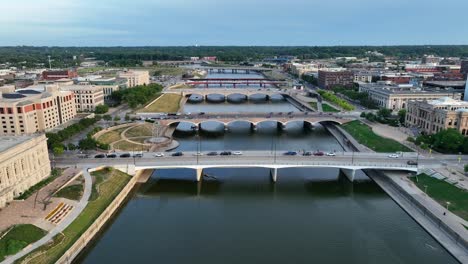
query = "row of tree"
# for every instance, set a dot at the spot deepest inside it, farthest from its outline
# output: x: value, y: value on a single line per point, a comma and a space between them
x: 131, y: 56
x: 448, y: 141
x: 138, y: 95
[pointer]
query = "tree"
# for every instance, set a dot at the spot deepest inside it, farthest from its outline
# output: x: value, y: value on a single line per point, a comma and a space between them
x: 448, y: 141
x: 466, y: 168
x: 101, y: 109
x: 107, y: 117
x: 87, y: 144
x: 71, y: 146
x: 127, y: 117
x: 402, y: 115
x: 58, y: 150
x: 384, y: 113
x: 116, y: 118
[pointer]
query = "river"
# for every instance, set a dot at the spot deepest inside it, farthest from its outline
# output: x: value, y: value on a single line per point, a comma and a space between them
x: 239, y: 216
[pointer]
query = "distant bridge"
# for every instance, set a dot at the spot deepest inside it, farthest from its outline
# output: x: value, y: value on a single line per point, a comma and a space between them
x: 234, y: 82
x: 240, y: 69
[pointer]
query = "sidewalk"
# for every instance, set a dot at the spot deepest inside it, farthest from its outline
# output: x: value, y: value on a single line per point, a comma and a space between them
x: 62, y: 225
x: 35, y: 208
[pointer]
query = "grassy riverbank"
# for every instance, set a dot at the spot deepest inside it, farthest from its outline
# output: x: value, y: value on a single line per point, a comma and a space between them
x: 328, y: 108
x: 364, y: 135
x: 17, y: 238
x: 167, y: 103
x: 443, y: 192
x: 107, y: 185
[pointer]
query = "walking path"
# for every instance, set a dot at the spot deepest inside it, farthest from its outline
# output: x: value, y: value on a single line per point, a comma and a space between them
x: 62, y: 225
x: 33, y: 210
x: 446, y: 228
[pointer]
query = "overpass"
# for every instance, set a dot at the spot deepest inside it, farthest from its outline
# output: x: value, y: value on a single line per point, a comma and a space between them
x: 347, y: 162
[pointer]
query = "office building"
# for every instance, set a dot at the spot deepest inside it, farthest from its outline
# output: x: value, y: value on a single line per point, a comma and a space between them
x: 34, y: 109
x: 87, y: 97
x: 135, y: 78
x: 327, y: 79
x: 435, y: 115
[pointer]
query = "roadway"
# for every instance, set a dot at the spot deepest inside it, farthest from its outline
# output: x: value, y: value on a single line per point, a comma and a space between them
x: 266, y: 158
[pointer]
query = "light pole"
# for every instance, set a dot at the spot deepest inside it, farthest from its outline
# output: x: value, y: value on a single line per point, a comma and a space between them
x: 448, y: 203
x: 425, y: 189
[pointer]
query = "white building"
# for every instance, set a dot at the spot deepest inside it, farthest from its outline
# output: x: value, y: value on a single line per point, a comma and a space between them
x: 135, y: 78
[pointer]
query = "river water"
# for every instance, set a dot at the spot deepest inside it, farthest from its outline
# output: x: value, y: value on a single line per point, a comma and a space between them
x: 239, y: 216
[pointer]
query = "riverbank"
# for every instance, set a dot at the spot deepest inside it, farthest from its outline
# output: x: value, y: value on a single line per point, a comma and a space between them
x: 448, y: 232
x: 106, y: 196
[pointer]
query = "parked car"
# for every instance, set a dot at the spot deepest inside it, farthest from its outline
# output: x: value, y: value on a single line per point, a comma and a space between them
x: 226, y: 153
x: 412, y: 162
x: 290, y: 153
x: 307, y: 153
x: 212, y: 153
x: 100, y: 156
x: 198, y: 154
x: 112, y: 156
x: 138, y: 155
x: 125, y: 155
x: 237, y: 153
x: 393, y: 156
x: 331, y: 154
x: 177, y: 154
x: 318, y: 153
x: 159, y: 155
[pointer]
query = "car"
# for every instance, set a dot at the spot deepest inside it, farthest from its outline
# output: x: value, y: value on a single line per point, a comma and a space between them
x: 237, y: 153
x: 159, y: 155
x: 393, y: 156
x: 99, y: 156
x: 125, y: 155
x: 307, y: 153
x: 198, y: 154
x: 177, y: 154
x: 331, y: 154
x: 226, y: 153
x: 290, y: 153
x: 318, y: 153
x: 412, y: 162
x: 112, y: 156
x: 201, y: 113
x: 212, y: 153
x: 138, y: 155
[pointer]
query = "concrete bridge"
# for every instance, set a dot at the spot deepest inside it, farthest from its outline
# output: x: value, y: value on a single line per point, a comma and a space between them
x: 233, y: 70
x: 347, y: 162
x: 235, y: 83
x: 225, y: 91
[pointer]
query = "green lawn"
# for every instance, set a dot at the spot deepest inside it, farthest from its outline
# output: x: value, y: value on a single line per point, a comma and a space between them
x: 109, y: 184
x: 167, y: 103
x: 18, y: 237
x: 364, y: 135
x: 443, y: 192
x: 328, y: 108
x: 72, y: 192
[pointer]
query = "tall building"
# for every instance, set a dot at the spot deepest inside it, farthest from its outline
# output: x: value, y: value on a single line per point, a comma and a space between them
x: 24, y: 161
x: 330, y: 79
x: 436, y: 115
x: 87, y: 97
x: 32, y: 110
x: 135, y: 78
x: 56, y: 75
x: 466, y: 91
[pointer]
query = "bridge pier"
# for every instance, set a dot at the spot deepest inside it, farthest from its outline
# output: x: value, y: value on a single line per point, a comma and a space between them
x: 199, y: 174
x: 274, y: 174
x: 280, y: 126
x: 349, y: 173
x: 253, y: 127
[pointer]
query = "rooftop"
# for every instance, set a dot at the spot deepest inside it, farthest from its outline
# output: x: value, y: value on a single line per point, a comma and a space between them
x: 447, y: 101
x: 7, y: 142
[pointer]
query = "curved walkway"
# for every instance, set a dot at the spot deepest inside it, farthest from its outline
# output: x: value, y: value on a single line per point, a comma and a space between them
x: 62, y: 225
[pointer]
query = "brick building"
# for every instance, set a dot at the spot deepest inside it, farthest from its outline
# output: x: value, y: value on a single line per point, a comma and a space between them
x: 330, y: 79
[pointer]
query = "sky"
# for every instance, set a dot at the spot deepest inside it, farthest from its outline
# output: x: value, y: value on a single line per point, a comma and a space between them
x: 232, y: 22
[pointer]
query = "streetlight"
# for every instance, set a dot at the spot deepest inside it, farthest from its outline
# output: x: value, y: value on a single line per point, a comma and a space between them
x: 425, y: 189
x: 448, y: 203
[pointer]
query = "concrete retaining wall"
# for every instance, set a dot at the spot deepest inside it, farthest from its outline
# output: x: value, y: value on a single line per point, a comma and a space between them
x: 380, y: 178
x: 91, y: 232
